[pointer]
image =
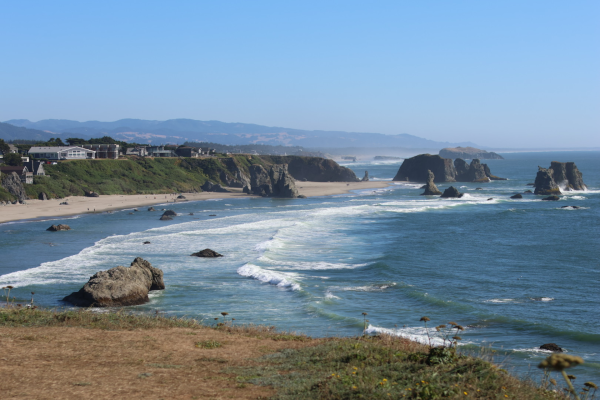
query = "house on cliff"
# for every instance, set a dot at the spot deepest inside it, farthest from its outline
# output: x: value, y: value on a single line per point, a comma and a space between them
x: 62, y: 153
x: 36, y: 167
x: 22, y: 171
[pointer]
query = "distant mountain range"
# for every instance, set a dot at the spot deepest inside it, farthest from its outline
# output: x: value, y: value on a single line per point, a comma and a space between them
x: 178, y: 131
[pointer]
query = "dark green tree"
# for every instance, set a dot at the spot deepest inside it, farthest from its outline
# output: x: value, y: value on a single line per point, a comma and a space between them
x: 76, y: 141
x: 4, y: 147
x: 13, y: 159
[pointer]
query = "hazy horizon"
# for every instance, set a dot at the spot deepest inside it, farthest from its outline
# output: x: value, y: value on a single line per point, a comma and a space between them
x: 510, y: 74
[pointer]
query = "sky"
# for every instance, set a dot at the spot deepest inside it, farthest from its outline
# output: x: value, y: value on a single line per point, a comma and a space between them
x: 497, y: 73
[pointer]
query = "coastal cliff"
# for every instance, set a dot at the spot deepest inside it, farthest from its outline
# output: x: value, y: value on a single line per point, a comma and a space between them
x: 173, y: 175
x: 565, y: 176
x: 469, y: 153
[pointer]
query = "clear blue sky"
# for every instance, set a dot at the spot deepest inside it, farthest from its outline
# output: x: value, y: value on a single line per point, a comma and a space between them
x: 498, y: 73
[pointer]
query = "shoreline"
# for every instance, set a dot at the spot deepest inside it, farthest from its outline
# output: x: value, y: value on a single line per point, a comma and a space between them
x: 37, y: 209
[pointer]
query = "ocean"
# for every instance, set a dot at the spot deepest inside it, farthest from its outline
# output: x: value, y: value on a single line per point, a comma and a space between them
x: 515, y: 273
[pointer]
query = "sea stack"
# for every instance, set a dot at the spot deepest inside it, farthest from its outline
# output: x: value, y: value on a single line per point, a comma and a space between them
x: 416, y: 169
x: 430, y: 188
x: 565, y: 176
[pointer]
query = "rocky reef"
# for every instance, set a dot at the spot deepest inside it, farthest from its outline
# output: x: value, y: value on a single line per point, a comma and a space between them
x: 119, y: 286
x: 59, y: 227
x: 276, y: 182
x: 430, y: 188
x: 417, y: 168
x: 469, y: 153
x: 560, y: 176
x: 452, y: 192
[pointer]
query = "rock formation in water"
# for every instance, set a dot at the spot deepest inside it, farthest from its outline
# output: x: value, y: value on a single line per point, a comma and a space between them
x: 551, y: 347
x: 516, y: 196
x: 212, y: 187
x: 119, y: 286
x: 59, y: 227
x: 13, y: 185
x: 416, y: 169
x: 314, y: 169
x: 469, y: 153
x: 208, y: 253
x: 559, y: 176
x: 276, y: 182
x: 430, y: 188
x: 366, y: 177
x: 451, y: 192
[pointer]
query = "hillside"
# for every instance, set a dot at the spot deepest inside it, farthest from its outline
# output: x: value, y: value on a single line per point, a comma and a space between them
x: 167, y: 175
x: 12, y: 132
x: 181, y: 130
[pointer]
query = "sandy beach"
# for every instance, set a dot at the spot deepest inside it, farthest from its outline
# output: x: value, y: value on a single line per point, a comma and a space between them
x: 82, y: 205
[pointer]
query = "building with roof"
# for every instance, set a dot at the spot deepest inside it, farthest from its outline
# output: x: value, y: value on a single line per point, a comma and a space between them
x: 22, y: 172
x: 12, y: 149
x: 62, y: 153
x: 104, y: 150
x: 35, y: 167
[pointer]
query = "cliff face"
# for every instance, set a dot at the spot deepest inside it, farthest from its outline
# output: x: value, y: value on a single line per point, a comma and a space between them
x: 13, y: 185
x: 469, y: 153
x: 559, y: 176
x: 275, y: 182
x: 314, y: 169
x: 417, y: 169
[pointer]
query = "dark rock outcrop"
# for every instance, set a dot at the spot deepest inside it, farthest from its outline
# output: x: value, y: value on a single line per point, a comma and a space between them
x: 366, y: 177
x: 469, y: 153
x: 452, y: 192
x: 551, y: 347
x: 207, y: 253
x: 517, y: 196
x: 146, y: 242
x: 551, y: 198
x: 91, y: 194
x: 181, y: 197
x: 276, y: 182
x: 314, y: 169
x: 42, y: 196
x: 212, y: 187
x: 119, y: 286
x: 59, y: 227
x: 13, y: 185
x: 170, y: 213
x: 415, y: 169
x: 565, y: 176
x: 165, y: 218
x: 430, y: 188
x: 151, y: 209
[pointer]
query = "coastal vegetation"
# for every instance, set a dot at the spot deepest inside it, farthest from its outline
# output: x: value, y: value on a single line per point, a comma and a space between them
x: 149, y: 353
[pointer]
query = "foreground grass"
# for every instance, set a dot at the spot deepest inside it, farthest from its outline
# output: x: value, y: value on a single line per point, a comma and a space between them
x: 299, y: 367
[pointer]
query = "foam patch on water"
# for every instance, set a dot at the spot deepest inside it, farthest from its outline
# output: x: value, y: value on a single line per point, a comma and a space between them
x: 369, y: 288
x: 542, y: 298
x: 329, y: 295
x: 500, y: 301
x: 279, y: 279
x: 416, y: 334
x: 308, y: 265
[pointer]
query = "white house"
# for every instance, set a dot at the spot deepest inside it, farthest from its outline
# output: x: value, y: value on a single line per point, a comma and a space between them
x: 62, y: 153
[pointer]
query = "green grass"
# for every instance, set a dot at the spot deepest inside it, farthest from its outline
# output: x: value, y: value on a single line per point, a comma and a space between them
x: 382, y: 368
x: 209, y: 344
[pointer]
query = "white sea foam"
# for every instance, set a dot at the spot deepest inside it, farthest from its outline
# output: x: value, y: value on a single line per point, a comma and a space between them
x: 329, y: 295
x: 280, y: 279
x: 542, y: 298
x: 416, y: 334
x: 500, y: 301
x: 308, y: 265
x: 369, y: 288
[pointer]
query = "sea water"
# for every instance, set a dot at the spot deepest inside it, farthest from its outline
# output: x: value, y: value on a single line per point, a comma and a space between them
x: 515, y: 273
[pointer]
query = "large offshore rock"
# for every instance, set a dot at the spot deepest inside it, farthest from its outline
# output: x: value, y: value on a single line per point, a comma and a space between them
x: 416, y: 169
x: 430, y: 188
x: 13, y: 185
x: 565, y: 176
x: 452, y: 192
x: 469, y: 153
x: 474, y: 172
x: 207, y: 253
x: 119, y: 286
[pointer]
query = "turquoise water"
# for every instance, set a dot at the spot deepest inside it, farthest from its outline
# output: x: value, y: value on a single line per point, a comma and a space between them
x: 516, y: 273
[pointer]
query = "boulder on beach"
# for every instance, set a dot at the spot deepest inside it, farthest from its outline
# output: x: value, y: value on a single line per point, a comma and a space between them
x: 212, y: 187
x: 517, y: 196
x: 551, y: 347
x: 91, y: 194
x: 181, y: 197
x: 451, y: 192
x: 119, y: 286
x: 430, y: 188
x: 43, y: 196
x: 59, y: 227
x: 207, y: 253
